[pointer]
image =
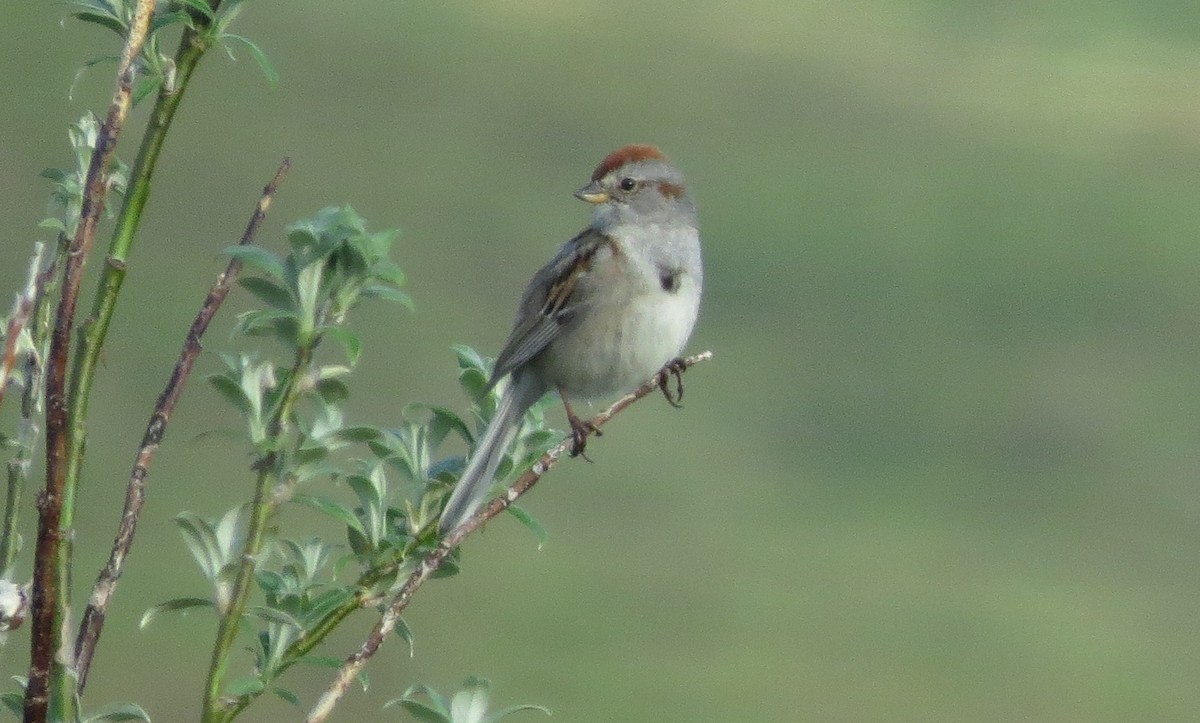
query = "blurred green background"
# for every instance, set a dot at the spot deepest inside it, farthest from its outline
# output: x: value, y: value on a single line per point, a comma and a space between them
x: 944, y: 464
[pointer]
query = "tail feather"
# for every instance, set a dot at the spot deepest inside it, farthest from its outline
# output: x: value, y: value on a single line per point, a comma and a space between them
x: 476, y: 479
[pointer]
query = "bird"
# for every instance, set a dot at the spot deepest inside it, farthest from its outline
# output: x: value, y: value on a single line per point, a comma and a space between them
x: 612, y: 308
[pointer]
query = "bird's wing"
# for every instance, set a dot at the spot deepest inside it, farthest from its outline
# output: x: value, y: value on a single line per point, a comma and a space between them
x: 548, y: 302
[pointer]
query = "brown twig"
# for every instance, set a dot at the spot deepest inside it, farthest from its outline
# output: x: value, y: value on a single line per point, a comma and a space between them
x: 49, y: 571
x: 354, y: 664
x: 135, y: 493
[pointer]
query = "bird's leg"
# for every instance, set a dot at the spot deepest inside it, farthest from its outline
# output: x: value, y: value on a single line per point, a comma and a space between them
x: 673, y: 368
x: 580, y: 428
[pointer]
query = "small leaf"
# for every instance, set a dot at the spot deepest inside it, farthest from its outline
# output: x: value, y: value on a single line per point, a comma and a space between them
x: 283, y: 325
x: 106, y: 20
x: 163, y: 20
x: 406, y: 635
x: 119, y: 712
x: 199, y: 6
x: 232, y: 391
x: 145, y: 87
x: 332, y: 390
x: 179, y: 604
x: 379, y: 291
x: 326, y: 506
x: 258, y: 257
x: 470, y: 703
x: 245, y: 686
x: 361, y: 433
x: 15, y: 702
x: 260, y: 57
x: 273, y: 615
x: 421, y: 711
x: 287, y: 695
x: 530, y: 523
x: 268, y: 292
x: 493, y: 718
x: 53, y: 224
x: 350, y: 342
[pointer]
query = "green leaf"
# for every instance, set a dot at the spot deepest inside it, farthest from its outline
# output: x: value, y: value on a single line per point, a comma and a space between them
x: 515, y: 709
x: 202, y: 542
x: 349, y: 341
x: 268, y: 292
x: 283, y: 325
x: 406, y: 635
x: 388, y: 293
x: 440, y: 704
x: 199, y: 6
x: 179, y: 604
x: 445, y: 421
x: 421, y: 711
x: 287, y: 695
x: 144, y: 87
x: 471, y: 701
x: 327, y: 506
x: 530, y: 523
x: 260, y: 57
x: 258, y: 257
x: 332, y: 390
x: 102, y: 19
x: 163, y: 20
x: 245, y: 686
x: 232, y: 391
x: 273, y: 615
x: 326, y: 602
x: 361, y: 433
x: 119, y: 712
x: 15, y: 702
x: 387, y: 271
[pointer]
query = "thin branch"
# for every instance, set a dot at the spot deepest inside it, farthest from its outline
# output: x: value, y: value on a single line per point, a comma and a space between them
x: 214, y: 708
x: 135, y: 492
x: 50, y: 572
x: 29, y: 303
x: 354, y: 664
x: 22, y: 307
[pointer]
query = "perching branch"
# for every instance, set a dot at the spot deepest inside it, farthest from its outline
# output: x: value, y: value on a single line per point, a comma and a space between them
x: 354, y: 664
x: 29, y: 302
x: 50, y: 572
x: 135, y: 493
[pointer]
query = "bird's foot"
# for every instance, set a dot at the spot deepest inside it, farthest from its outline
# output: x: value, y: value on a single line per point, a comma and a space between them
x: 581, y: 429
x: 674, y: 368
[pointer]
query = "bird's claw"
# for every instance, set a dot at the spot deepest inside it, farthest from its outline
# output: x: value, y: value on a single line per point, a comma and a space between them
x: 674, y: 368
x: 581, y: 429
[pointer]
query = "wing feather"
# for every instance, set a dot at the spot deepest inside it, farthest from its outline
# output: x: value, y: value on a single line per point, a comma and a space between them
x: 546, y: 304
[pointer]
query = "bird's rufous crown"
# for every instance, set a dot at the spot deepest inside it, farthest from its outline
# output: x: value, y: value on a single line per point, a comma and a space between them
x: 628, y: 154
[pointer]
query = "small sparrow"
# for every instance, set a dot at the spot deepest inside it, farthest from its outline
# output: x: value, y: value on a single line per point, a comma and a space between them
x: 612, y: 308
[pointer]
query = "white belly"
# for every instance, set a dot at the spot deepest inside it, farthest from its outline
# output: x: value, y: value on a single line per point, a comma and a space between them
x: 618, y: 346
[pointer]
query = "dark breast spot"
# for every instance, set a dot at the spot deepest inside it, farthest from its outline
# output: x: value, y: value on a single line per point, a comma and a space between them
x: 669, y: 279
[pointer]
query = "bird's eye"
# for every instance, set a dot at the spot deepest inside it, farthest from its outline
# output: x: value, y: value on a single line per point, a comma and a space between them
x: 627, y: 184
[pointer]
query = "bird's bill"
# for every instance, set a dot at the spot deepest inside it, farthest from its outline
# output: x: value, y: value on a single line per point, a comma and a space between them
x: 592, y: 193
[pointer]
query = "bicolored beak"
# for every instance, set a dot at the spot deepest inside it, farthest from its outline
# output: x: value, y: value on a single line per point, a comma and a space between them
x: 592, y: 193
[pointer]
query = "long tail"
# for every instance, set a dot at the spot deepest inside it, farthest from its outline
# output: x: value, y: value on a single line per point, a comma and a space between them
x: 472, y: 488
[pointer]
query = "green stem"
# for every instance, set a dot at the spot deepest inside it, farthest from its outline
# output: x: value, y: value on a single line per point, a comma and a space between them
x: 315, y: 635
x: 260, y: 515
x: 192, y: 47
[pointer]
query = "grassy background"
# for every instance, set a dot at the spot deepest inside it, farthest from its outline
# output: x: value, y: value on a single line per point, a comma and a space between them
x: 944, y: 464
